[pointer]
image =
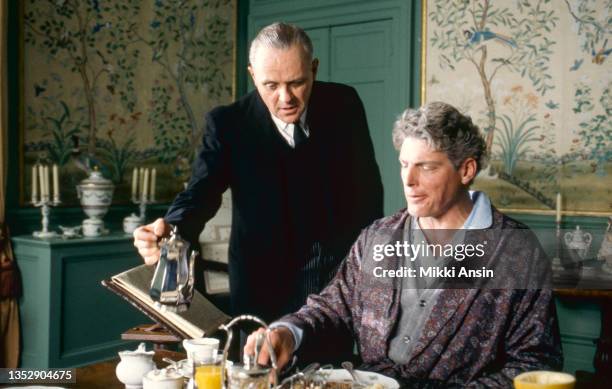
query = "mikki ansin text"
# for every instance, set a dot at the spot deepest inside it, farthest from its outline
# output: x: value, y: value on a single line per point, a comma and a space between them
x: 433, y: 272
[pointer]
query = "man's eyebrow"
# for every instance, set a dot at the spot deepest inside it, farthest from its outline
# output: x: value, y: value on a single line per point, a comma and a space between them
x: 422, y: 162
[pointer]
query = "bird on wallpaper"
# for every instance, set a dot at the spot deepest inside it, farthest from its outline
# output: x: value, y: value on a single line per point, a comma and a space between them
x: 600, y: 56
x: 576, y: 65
x: 478, y: 37
x: 97, y: 27
x: 100, y: 26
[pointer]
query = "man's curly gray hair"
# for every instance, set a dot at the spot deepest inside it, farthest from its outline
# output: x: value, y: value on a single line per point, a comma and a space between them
x: 444, y: 129
x: 281, y: 36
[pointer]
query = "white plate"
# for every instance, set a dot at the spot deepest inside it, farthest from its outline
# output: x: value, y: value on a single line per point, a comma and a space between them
x: 365, y: 377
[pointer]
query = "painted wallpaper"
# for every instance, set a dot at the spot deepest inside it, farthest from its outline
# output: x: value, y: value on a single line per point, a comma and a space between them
x: 120, y: 84
x: 536, y: 76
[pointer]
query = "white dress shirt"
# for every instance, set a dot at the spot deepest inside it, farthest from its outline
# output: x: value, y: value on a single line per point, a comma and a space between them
x: 287, y: 129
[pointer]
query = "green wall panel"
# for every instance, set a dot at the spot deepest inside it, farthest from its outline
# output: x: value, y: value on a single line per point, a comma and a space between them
x: 108, y: 319
x: 68, y: 318
x: 579, y: 322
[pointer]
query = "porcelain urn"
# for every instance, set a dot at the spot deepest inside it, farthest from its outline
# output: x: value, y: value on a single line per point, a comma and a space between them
x: 96, y: 194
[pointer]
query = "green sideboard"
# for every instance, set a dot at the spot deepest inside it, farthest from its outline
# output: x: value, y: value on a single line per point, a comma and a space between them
x: 67, y: 317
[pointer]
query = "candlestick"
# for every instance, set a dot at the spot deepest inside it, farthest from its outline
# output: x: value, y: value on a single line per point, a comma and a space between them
x: 145, y: 189
x: 153, y: 184
x: 557, y: 265
x: 56, y: 193
x: 34, y: 184
x: 558, y: 215
x: 44, y: 202
x: 134, y: 183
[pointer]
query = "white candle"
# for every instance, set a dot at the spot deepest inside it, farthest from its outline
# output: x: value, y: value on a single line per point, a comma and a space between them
x: 153, y: 183
x: 140, y: 182
x: 34, y: 184
x: 558, y: 218
x: 46, y: 179
x: 56, y: 194
x: 135, y: 183
x: 145, y: 186
x: 41, y: 179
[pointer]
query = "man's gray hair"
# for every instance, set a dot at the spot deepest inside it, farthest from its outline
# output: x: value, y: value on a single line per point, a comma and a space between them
x: 281, y: 36
x: 444, y: 129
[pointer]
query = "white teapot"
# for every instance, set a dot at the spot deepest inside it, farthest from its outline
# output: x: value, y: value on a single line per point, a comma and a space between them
x: 134, y: 365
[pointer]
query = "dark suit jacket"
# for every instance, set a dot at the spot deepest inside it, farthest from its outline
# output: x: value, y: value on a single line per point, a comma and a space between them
x: 295, y: 211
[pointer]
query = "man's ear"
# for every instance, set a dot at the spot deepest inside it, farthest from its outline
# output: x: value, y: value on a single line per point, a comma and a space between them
x: 468, y: 170
x: 315, y: 67
x: 250, y: 69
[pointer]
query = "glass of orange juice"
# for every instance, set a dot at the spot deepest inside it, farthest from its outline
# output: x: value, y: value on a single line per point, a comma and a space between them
x: 207, y: 371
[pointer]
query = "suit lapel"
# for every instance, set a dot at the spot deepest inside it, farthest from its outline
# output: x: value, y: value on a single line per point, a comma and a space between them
x: 314, y: 118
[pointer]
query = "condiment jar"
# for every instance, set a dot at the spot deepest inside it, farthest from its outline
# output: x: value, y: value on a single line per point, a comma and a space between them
x: 167, y: 378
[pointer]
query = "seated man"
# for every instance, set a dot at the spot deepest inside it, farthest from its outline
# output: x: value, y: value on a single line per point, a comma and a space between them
x: 479, y: 329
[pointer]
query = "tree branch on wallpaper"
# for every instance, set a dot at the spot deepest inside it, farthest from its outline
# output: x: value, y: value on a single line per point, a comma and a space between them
x: 526, y: 51
x: 514, y: 63
x: 137, y: 77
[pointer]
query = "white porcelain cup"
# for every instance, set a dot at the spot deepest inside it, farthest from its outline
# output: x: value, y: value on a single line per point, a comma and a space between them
x: 202, y: 348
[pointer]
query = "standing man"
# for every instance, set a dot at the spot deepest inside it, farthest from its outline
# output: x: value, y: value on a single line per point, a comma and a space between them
x: 299, y: 159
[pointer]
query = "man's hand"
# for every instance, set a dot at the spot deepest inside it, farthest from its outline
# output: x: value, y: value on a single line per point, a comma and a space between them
x: 282, y: 343
x: 146, y: 237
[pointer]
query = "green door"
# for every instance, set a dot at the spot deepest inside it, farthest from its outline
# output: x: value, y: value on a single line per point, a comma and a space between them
x: 362, y: 55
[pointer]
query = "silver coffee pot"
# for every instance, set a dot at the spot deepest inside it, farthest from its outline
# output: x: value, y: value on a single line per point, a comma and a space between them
x: 172, y: 283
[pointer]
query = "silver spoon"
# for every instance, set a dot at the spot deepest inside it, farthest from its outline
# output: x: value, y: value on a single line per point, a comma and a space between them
x: 170, y: 362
